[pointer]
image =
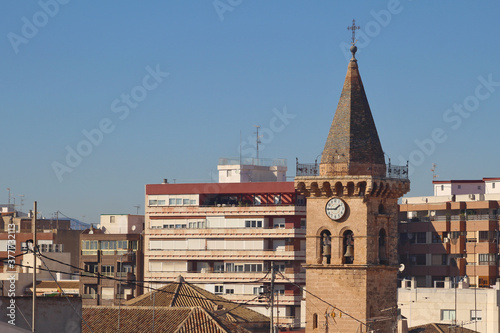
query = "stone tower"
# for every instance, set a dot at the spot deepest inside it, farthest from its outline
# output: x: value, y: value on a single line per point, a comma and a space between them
x: 351, y: 256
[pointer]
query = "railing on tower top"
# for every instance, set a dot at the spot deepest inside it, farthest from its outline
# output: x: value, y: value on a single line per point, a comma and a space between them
x: 312, y: 169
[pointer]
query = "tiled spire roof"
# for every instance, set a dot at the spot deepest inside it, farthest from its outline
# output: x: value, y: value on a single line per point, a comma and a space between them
x: 353, y: 146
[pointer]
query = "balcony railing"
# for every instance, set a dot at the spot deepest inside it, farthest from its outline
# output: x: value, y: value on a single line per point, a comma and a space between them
x: 89, y: 296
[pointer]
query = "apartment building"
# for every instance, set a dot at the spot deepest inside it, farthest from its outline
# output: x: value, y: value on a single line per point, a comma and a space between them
x: 112, y: 263
x: 225, y: 236
x: 453, y: 233
x: 457, y: 306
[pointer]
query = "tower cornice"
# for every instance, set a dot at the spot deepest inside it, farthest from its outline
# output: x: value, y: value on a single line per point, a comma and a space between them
x: 352, y: 186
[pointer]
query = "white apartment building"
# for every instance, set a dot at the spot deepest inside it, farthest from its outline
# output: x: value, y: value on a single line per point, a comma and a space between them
x: 472, y: 308
x: 224, y: 236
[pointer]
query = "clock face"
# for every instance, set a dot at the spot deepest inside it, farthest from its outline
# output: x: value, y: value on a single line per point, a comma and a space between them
x: 335, y: 208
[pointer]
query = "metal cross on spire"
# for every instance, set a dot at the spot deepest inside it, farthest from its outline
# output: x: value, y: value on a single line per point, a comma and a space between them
x: 353, y: 27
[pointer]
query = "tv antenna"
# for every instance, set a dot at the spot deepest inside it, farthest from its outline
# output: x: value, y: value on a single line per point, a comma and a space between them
x: 257, y: 139
x: 433, y: 169
x: 137, y: 207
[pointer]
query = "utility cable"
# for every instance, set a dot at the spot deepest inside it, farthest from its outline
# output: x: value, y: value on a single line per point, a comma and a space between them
x: 35, y: 248
x: 322, y: 300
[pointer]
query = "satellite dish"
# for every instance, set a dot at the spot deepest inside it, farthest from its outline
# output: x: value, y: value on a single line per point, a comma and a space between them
x: 133, y: 227
x: 401, y: 267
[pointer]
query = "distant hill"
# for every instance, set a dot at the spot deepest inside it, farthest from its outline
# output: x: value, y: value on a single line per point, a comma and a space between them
x: 78, y: 225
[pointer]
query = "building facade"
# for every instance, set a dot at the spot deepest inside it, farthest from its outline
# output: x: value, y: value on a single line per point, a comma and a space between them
x: 351, y: 259
x: 456, y: 306
x: 225, y: 236
x: 111, y: 265
x: 453, y: 233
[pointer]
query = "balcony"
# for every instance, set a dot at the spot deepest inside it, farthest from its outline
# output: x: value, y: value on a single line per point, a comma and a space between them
x: 222, y: 277
x: 221, y: 209
x: 228, y: 233
x: 225, y: 254
x: 89, y: 296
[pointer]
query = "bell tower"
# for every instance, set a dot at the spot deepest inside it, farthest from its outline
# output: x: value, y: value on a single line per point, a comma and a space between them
x: 351, y: 238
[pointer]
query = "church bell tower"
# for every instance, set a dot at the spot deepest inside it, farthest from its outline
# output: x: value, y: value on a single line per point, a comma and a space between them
x: 352, y: 205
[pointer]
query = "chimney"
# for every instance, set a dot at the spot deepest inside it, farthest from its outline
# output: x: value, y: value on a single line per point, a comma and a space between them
x: 165, y: 181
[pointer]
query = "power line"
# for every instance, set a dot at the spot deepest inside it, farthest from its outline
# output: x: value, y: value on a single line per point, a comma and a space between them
x: 135, y: 282
x: 319, y: 298
x: 35, y: 248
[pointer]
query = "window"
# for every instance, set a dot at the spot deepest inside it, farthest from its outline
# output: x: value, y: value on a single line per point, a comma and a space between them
x: 253, y: 267
x: 256, y: 200
x: 153, y: 202
x: 178, y: 201
x: 479, y: 187
x: 487, y: 258
x: 161, y: 202
x: 421, y: 237
x: 476, y: 315
x: 90, y: 268
x: 219, y: 290
x: 442, y: 187
x: 493, y: 185
x: 484, y: 236
x: 417, y: 259
x: 229, y: 291
x: 459, y: 187
x: 90, y: 289
x: 108, y: 270
x: 111, y: 219
x: 447, y: 314
x: 315, y: 321
x: 185, y: 201
x: 253, y: 224
x: 436, y: 238
x: 171, y: 201
x: 219, y: 267
x: 258, y: 290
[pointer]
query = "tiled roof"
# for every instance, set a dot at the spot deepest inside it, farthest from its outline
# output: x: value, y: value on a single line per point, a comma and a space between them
x: 183, y: 294
x: 63, y: 284
x: 353, y: 137
x: 437, y: 328
x: 135, y: 319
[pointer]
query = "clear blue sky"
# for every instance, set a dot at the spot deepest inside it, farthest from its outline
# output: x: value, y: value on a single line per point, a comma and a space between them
x: 233, y: 64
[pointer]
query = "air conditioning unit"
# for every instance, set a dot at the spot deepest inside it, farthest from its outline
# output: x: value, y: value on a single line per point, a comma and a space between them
x: 446, y: 240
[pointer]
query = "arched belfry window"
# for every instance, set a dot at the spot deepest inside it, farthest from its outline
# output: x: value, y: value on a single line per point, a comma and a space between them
x: 382, y: 248
x: 326, y: 247
x: 348, y: 241
x: 381, y: 209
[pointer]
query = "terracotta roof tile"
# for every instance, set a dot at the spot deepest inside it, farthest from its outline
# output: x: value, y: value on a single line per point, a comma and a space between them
x: 183, y: 294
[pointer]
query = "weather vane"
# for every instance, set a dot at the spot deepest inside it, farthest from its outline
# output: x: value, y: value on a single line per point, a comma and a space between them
x: 353, y: 27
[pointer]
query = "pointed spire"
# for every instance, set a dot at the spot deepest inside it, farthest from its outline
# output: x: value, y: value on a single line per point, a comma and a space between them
x: 353, y: 146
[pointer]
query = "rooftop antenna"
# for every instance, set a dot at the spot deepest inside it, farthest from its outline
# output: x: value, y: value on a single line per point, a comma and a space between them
x: 257, y: 140
x: 433, y: 169
x: 137, y: 207
x: 8, y: 189
x: 22, y: 201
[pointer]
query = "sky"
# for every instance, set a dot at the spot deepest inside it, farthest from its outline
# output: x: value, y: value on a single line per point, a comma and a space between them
x: 98, y: 99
